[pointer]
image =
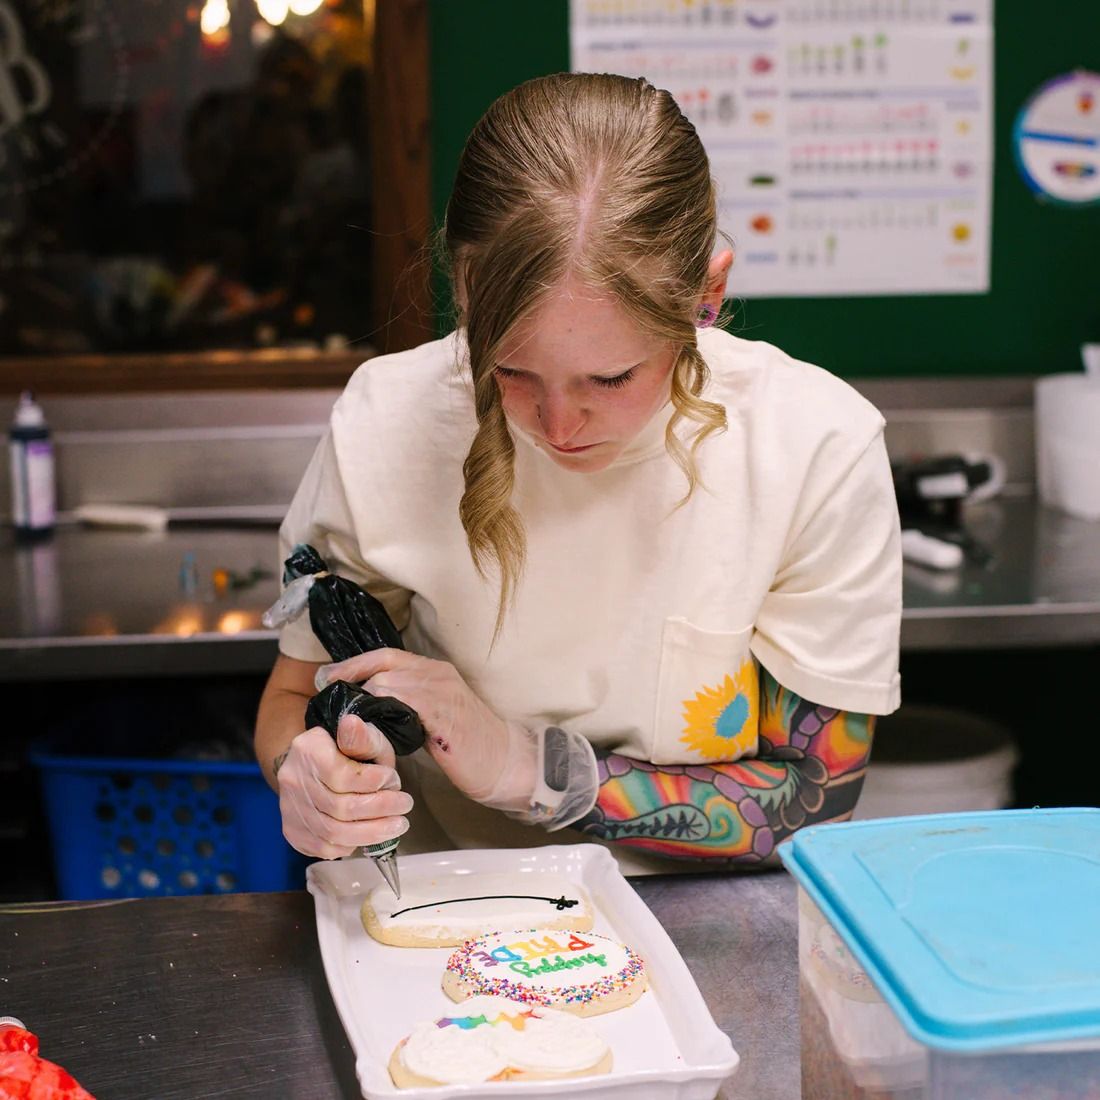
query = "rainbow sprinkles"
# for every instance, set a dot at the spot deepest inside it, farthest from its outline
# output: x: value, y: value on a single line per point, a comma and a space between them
x: 581, y: 973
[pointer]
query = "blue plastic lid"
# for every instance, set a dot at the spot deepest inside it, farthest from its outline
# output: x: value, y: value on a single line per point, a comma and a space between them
x: 981, y: 930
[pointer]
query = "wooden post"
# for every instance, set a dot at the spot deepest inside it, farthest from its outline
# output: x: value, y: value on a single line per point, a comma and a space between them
x: 403, y: 314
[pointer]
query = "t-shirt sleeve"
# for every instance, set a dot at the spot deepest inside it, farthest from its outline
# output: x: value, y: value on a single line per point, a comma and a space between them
x: 320, y: 515
x: 829, y: 627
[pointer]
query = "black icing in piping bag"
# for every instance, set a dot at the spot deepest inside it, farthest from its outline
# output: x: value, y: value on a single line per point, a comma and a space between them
x: 347, y: 621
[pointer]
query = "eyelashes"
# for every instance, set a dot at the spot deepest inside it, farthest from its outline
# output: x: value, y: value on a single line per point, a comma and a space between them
x: 615, y: 383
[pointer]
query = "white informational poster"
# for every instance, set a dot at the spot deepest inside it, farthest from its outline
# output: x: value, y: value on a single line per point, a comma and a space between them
x: 852, y: 140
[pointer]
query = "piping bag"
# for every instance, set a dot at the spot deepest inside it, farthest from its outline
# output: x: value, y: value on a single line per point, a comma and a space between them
x: 347, y: 621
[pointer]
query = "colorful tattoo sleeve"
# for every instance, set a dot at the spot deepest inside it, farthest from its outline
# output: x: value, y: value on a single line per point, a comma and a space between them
x: 809, y: 768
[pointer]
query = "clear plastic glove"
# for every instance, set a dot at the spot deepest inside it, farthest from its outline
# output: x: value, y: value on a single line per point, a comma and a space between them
x: 566, y: 779
x: 335, y: 796
x: 544, y: 776
x: 293, y: 601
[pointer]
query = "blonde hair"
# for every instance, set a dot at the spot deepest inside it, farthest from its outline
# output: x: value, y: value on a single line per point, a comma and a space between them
x: 601, y: 178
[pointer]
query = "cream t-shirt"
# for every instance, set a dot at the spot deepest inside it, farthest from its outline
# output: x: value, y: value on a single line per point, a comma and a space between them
x: 640, y: 624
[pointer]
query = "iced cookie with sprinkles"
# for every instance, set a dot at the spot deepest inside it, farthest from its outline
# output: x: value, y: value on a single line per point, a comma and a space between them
x: 447, y: 910
x: 583, y: 973
x: 494, y: 1039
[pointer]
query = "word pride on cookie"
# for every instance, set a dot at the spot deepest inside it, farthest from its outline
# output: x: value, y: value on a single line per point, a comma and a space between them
x: 543, y: 955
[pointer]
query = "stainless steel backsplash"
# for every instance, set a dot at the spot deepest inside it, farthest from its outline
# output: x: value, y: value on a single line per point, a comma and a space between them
x: 182, y: 451
x: 227, y: 450
x: 969, y: 416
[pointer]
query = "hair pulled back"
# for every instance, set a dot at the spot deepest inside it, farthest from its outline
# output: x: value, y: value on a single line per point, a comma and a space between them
x: 596, y: 177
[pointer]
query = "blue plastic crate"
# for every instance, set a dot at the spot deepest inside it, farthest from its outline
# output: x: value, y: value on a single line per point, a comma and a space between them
x: 123, y: 827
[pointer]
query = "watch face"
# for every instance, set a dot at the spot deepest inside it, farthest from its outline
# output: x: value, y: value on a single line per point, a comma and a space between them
x: 63, y: 79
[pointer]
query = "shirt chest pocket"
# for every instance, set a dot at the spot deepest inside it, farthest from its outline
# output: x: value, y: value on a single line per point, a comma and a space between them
x: 708, y: 696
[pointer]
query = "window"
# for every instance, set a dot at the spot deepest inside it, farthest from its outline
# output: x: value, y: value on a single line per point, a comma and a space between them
x: 181, y: 175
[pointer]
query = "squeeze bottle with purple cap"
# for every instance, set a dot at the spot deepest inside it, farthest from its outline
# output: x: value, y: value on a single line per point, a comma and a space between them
x: 33, y: 500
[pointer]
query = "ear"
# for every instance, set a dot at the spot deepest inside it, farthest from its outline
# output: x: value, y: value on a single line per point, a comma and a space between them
x: 717, y: 274
x: 459, y: 285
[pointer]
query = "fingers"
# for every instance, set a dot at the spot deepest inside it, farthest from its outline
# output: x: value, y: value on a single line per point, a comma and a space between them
x: 332, y: 771
x: 324, y: 837
x: 364, y: 807
x: 357, y: 669
x: 419, y: 682
x: 364, y: 741
x: 334, y: 825
x: 331, y: 805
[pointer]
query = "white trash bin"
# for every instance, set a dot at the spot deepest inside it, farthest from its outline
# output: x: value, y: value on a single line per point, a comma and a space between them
x: 931, y: 760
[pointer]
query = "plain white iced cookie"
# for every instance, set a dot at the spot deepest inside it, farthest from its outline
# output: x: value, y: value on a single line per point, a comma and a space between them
x: 494, y: 1039
x: 446, y: 910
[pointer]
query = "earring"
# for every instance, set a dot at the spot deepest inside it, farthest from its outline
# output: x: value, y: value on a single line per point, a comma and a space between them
x: 706, y: 316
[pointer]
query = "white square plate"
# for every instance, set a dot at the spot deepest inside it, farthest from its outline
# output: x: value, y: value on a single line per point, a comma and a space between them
x: 665, y: 1045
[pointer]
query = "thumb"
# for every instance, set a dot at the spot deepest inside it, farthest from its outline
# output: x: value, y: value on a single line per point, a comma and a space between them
x: 359, y: 668
x: 363, y: 741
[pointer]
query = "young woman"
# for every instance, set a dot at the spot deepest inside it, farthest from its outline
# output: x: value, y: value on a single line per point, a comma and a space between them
x: 590, y: 512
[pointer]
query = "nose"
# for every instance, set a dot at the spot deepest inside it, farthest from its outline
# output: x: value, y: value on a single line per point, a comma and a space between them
x: 561, y: 418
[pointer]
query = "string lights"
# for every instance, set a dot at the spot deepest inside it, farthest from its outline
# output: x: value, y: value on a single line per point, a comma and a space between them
x: 215, y: 15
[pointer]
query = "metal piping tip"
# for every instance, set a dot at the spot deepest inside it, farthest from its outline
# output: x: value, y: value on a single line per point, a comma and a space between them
x: 387, y: 865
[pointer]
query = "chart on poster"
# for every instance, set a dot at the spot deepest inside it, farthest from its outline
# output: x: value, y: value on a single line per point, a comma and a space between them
x: 851, y: 139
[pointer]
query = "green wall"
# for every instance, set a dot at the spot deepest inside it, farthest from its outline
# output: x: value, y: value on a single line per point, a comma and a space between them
x: 1044, y: 298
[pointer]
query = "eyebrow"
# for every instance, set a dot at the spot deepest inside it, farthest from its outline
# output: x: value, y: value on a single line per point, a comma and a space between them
x: 611, y: 374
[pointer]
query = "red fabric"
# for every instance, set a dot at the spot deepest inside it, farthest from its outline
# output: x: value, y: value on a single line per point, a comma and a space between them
x: 25, y: 1076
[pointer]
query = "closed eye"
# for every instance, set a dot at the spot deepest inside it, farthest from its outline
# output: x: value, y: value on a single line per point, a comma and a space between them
x: 617, y: 381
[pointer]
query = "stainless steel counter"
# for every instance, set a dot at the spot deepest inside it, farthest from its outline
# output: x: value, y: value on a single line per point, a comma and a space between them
x: 180, y: 998
x: 1041, y: 587
x: 96, y: 603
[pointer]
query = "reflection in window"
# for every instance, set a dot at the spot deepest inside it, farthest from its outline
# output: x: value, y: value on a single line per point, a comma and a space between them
x: 183, y: 174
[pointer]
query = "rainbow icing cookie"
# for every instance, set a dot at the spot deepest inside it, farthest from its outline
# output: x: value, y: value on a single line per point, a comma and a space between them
x: 583, y: 973
x: 492, y: 1039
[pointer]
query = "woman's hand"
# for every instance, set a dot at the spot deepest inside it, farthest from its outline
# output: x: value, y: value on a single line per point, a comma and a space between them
x: 472, y: 745
x: 333, y: 800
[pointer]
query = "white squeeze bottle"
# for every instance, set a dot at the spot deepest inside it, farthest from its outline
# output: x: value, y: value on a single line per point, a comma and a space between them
x: 33, y: 501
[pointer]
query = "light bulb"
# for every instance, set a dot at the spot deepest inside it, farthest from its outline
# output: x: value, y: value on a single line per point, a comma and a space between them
x: 274, y: 11
x: 214, y: 16
x: 305, y: 7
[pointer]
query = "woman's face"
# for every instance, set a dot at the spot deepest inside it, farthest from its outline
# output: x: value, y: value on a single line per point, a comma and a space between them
x: 581, y: 379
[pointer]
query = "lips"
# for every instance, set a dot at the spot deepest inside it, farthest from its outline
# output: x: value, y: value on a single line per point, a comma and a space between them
x: 571, y: 450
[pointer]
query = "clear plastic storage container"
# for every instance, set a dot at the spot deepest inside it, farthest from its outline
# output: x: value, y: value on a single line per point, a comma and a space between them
x: 950, y: 956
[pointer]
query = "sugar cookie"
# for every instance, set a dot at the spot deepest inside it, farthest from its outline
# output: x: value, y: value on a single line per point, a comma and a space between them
x: 494, y: 1039
x: 582, y: 973
x: 447, y: 910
